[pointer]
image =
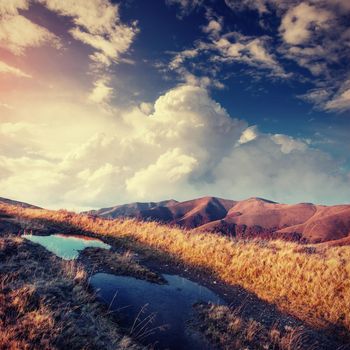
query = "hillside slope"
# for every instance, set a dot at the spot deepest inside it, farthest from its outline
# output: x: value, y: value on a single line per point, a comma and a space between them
x: 17, y: 203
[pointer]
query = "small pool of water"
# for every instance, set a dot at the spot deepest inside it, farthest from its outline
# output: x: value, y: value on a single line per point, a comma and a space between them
x: 66, y: 247
x: 137, y: 301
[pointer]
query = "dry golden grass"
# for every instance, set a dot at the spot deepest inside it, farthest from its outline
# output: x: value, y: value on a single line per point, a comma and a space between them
x: 312, y: 284
x: 225, y: 327
x: 121, y: 264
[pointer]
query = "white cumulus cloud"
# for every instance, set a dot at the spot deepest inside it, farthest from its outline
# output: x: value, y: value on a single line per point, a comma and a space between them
x: 185, y: 146
x: 101, y: 93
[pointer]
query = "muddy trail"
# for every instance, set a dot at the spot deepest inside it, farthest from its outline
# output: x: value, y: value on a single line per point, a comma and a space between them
x: 223, y: 316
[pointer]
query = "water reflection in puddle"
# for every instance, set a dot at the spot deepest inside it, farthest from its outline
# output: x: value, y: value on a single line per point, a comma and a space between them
x: 66, y: 247
x: 170, y: 304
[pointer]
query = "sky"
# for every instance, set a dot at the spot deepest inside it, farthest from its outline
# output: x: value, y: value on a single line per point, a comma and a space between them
x: 107, y: 102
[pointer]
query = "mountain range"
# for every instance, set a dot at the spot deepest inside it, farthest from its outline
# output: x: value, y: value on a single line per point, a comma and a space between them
x: 250, y: 218
x: 253, y: 217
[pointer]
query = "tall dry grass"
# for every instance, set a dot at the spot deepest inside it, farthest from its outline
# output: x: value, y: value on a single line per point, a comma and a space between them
x: 312, y: 284
x: 226, y: 327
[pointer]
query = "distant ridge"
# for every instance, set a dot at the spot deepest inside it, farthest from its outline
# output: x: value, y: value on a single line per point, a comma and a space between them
x: 20, y: 204
x: 253, y: 217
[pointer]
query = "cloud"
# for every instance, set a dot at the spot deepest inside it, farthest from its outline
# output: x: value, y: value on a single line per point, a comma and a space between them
x: 315, y: 35
x: 253, y: 51
x: 17, y: 33
x: 18, y: 139
x: 170, y: 172
x: 12, y: 7
x: 7, y: 69
x: 249, y: 134
x: 263, y: 168
x: 180, y: 57
x: 332, y: 99
x: 226, y: 48
x: 184, y: 145
x: 214, y: 27
x: 186, y: 129
x: 317, y: 96
x: 110, y: 47
x: 240, y: 5
x: 301, y: 22
x: 266, y: 7
x: 96, y: 16
x: 340, y: 102
x: 97, y: 24
x: 311, y: 58
x: 146, y: 108
x: 186, y: 6
x: 289, y: 144
x: 342, y: 6
x: 101, y: 93
x: 286, y: 143
x: 37, y: 179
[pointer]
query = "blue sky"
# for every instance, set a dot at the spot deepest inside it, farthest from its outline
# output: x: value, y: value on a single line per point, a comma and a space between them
x: 274, y: 104
x: 107, y: 102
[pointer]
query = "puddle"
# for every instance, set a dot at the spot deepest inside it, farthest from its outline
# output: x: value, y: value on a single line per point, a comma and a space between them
x: 169, y: 304
x: 66, y: 247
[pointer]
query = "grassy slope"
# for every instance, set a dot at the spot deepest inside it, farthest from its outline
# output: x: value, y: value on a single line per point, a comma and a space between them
x: 312, y: 284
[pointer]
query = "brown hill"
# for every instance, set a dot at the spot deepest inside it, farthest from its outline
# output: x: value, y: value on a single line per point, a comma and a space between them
x: 327, y: 224
x: 137, y: 210
x: 253, y: 217
x: 189, y: 214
